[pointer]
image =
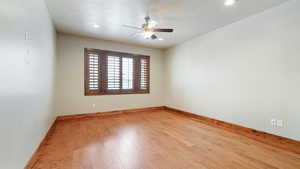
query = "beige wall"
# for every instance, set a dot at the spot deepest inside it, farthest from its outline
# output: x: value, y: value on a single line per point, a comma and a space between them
x: 70, y: 89
x: 245, y: 73
x: 27, y: 76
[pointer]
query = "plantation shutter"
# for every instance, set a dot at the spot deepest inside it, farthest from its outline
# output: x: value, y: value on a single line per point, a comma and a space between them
x: 144, y: 77
x: 93, y: 72
x: 127, y: 73
x: 113, y: 73
x: 109, y: 72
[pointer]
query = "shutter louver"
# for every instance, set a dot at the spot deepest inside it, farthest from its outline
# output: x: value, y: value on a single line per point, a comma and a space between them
x: 113, y: 72
x: 93, y: 71
x: 144, y: 83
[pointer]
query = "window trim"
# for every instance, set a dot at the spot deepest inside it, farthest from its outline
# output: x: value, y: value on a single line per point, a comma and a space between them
x: 103, y: 75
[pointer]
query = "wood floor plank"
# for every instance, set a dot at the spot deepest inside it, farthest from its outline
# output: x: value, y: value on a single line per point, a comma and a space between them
x: 155, y: 140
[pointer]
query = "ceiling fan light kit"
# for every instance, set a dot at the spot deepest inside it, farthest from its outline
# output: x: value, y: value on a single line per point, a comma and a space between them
x: 148, y: 29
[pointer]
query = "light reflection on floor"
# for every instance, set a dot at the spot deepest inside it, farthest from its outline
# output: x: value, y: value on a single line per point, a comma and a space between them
x: 123, y: 146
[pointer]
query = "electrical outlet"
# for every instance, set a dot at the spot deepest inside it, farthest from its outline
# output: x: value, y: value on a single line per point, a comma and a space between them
x: 93, y: 106
x: 279, y: 123
x: 273, y: 123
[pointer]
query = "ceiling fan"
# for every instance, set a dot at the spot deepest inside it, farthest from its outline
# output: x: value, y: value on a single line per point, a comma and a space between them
x: 148, y: 29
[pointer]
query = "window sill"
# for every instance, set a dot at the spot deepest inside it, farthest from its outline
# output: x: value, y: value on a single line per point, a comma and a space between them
x: 117, y: 93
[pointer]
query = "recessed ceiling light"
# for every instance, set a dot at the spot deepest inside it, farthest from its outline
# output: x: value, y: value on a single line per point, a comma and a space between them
x: 96, y: 26
x: 229, y: 2
x: 160, y: 39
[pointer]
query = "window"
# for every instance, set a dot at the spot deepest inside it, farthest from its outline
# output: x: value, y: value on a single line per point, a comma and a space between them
x: 109, y: 72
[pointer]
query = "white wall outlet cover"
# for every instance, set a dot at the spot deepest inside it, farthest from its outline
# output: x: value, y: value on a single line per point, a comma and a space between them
x: 93, y: 105
x: 279, y: 123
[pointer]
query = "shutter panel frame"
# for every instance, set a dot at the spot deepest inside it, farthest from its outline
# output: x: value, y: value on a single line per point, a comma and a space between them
x: 147, y: 74
x: 87, y: 73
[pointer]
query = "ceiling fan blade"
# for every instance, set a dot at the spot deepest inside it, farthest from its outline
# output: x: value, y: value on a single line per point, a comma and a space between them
x: 132, y: 27
x: 135, y: 34
x: 163, y: 30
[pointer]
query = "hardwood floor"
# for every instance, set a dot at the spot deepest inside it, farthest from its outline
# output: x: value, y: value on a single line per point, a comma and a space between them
x: 154, y: 140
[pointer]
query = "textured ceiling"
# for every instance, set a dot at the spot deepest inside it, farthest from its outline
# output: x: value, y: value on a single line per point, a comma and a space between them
x: 188, y: 17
